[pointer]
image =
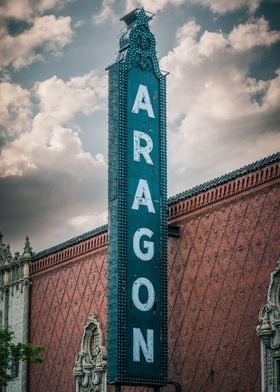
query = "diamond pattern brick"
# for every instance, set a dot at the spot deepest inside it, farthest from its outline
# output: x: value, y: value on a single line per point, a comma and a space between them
x: 61, y: 302
x: 235, y: 259
x: 219, y: 271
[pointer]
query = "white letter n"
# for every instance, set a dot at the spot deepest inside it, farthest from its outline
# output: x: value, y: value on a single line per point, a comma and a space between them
x: 146, y: 347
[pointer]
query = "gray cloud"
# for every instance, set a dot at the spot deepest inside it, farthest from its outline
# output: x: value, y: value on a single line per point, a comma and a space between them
x: 44, y: 204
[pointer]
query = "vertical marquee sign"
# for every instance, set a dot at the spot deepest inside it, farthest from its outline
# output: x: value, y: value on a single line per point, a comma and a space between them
x: 137, y: 266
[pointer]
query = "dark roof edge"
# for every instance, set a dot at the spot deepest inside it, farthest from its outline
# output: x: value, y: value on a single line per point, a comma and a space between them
x: 252, y: 167
x: 73, y: 241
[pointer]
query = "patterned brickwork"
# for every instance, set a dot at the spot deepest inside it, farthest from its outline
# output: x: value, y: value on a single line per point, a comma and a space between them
x: 218, y: 278
x: 61, y: 302
x: 219, y: 271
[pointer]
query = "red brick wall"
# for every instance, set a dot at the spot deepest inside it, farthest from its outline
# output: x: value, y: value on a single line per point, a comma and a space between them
x: 219, y: 275
x: 61, y: 301
x: 219, y: 270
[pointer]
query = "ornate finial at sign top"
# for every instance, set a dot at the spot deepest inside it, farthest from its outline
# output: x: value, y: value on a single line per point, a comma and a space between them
x: 137, y: 43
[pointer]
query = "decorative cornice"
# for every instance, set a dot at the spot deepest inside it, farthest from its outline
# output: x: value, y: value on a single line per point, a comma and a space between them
x: 245, y: 170
x: 204, y: 195
x: 226, y: 186
x: 77, y: 246
x: 73, y: 241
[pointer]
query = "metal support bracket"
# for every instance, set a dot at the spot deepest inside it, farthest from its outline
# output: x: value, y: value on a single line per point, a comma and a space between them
x: 173, y: 231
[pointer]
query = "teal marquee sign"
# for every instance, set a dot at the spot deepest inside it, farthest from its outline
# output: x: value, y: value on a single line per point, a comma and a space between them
x: 137, y: 265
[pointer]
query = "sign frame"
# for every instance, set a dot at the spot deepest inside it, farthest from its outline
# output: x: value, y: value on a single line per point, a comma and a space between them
x: 137, y: 52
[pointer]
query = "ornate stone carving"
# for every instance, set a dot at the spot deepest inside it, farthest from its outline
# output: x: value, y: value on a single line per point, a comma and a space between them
x: 269, y: 316
x: 14, y: 270
x: 90, y: 363
x: 269, y: 332
x: 5, y: 253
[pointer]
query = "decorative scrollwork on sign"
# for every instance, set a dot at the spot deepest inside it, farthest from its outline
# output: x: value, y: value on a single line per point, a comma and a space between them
x: 137, y: 43
x: 90, y: 363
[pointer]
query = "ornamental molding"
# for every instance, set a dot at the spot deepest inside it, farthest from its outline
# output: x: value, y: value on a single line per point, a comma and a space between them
x: 69, y: 252
x: 269, y: 332
x: 91, y: 360
x: 269, y: 316
x: 216, y: 191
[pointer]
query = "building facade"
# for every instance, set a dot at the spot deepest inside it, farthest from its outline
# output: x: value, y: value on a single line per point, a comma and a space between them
x: 14, y: 304
x: 223, y: 284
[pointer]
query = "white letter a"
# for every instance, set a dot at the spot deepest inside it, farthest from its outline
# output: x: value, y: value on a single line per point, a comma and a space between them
x: 142, y: 101
x: 143, y: 196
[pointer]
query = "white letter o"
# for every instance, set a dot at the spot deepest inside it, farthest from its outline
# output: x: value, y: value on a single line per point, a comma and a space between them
x: 144, y: 307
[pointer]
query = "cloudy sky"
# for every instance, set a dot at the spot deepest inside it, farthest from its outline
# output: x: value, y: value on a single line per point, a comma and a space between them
x: 223, y: 102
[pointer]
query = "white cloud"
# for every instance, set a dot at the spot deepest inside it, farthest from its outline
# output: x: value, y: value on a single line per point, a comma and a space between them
x: 57, y: 180
x: 212, y: 44
x: 216, y: 6
x: 252, y: 34
x: 219, y: 117
x: 25, y: 9
x: 48, y: 143
x: 187, y: 31
x: 44, y: 5
x: 62, y: 100
x: 271, y: 97
x: 42, y: 32
x: 152, y: 6
x: 223, y: 6
x: 86, y: 222
x: 15, y: 110
x: 106, y: 12
x: 47, y: 31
